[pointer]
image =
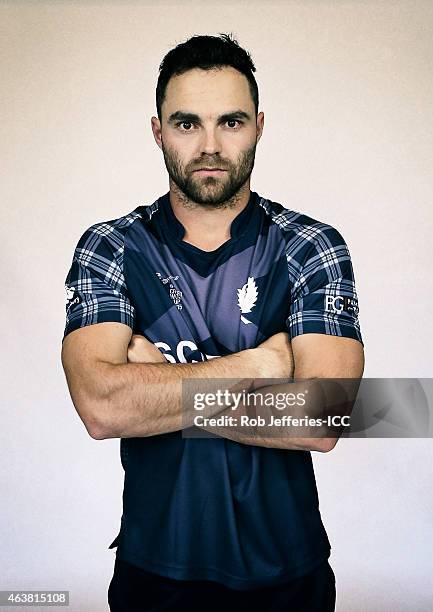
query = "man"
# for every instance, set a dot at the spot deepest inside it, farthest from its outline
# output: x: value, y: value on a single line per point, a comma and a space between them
x: 211, y: 281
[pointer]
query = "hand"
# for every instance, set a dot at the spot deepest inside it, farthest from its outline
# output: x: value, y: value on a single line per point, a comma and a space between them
x: 274, y: 357
x: 141, y: 350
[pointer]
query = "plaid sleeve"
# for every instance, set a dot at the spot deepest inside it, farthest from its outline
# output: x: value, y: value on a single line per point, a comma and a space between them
x: 95, y: 285
x: 323, y: 293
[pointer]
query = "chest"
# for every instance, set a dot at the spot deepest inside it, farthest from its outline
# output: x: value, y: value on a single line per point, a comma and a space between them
x: 196, y: 306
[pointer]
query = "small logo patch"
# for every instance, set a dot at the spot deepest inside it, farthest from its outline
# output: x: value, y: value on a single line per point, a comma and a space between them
x: 72, y: 296
x: 340, y: 303
x: 175, y: 294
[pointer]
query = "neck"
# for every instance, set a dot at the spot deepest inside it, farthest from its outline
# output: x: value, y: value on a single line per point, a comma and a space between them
x: 201, y: 220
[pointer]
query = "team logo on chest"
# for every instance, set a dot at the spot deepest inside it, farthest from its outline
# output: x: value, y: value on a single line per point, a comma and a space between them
x: 175, y: 294
x: 247, y: 297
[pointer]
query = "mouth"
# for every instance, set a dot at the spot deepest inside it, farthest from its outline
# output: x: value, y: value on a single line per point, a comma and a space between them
x: 209, y: 171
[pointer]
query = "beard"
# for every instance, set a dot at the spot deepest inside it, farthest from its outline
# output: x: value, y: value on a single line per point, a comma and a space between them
x: 209, y: 190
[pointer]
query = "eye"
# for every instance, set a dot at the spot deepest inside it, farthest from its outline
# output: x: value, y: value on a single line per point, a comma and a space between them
x: 185, y: 123
x: 230, y: 123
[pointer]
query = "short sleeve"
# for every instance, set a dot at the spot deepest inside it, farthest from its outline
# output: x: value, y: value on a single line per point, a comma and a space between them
x: 323, y: 294
x: 95, y: 285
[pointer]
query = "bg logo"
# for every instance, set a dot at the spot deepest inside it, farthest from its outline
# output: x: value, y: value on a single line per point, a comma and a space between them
x: 338, y: 303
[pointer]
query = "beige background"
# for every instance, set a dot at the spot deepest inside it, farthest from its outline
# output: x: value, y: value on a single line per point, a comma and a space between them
x: 347, y: 90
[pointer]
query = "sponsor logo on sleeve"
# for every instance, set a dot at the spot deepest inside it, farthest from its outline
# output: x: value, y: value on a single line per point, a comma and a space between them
x: 339, y: 303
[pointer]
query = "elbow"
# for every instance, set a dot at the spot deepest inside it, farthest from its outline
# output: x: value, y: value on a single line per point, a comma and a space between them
x: 94, y: 417
x: 91, y: 397
x: 97, y: 432
x: 325, y: 445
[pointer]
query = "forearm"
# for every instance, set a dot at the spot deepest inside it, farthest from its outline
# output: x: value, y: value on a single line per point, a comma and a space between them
x: 145, y: 399
x: 292, y: 416
x: 304, y: 444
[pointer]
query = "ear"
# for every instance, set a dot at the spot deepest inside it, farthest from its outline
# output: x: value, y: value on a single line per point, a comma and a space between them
x: 260, y: 124
x: 156, y: 129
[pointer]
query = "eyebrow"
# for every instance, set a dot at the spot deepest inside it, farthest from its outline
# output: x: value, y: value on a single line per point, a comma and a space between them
x: 193, y: 117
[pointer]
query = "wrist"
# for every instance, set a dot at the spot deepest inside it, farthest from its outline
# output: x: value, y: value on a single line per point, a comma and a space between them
x: 252, y: 362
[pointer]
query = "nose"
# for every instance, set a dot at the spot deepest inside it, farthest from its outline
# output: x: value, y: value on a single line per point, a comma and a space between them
x: 210, y: 142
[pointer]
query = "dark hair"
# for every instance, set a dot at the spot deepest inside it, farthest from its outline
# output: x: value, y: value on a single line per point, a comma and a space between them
x: 205, y: 52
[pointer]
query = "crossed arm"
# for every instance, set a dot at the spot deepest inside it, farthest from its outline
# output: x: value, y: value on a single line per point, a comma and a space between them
x: 332, y: 358
x: 127, y: 389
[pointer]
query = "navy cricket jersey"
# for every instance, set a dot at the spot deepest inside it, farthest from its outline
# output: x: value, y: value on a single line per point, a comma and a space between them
x: 211, y: 508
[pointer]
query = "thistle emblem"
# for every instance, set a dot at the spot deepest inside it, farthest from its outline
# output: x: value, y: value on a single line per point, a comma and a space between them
x: 247, y: 297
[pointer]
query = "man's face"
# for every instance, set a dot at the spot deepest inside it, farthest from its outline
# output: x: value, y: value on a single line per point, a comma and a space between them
x: 208, y: 122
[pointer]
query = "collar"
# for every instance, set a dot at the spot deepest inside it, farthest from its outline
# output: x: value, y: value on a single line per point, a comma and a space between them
x: 237, y: 228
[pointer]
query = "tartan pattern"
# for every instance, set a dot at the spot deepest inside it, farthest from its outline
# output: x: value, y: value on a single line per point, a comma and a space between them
x: 320, y: 273
x: 95, y: 283
x: 318, y: 262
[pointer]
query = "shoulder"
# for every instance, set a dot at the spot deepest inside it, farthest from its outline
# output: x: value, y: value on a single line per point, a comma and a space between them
x: 300, y: 229
x: 108, y: 234
x: 107, y: 238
